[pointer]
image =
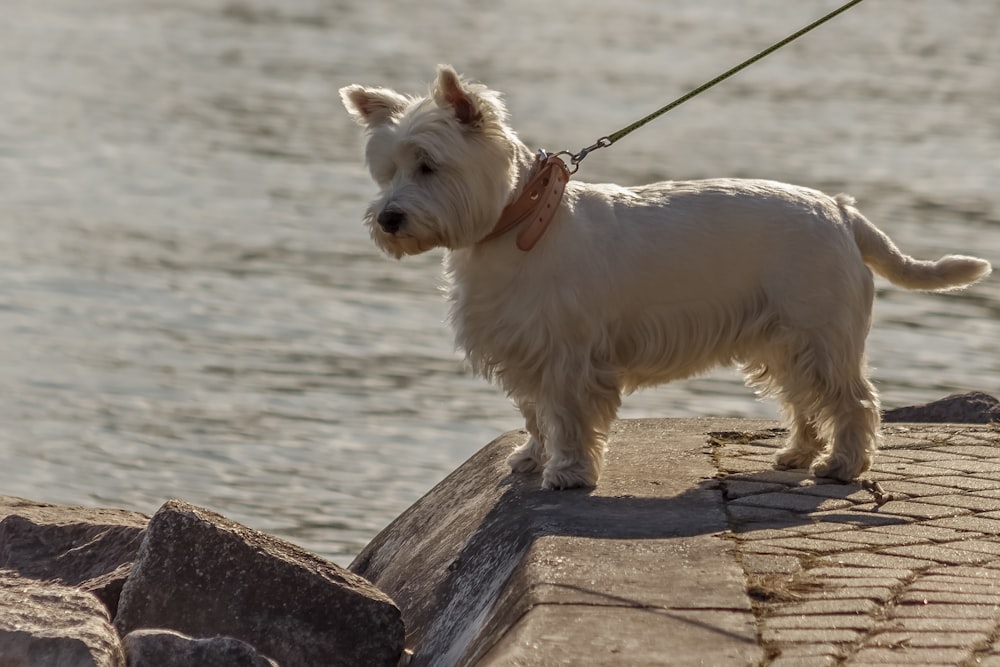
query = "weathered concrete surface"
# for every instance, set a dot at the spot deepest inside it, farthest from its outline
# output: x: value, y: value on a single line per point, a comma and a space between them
x: 203, y: 575
x: 490, y: 570
x: 51, y: 625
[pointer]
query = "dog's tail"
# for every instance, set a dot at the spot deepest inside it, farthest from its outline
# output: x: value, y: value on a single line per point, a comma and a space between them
x: 884, y: 258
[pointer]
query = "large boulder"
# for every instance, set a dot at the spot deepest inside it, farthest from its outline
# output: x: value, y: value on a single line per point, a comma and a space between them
x: 45, y: 623
x: 90, y: 549
x: 974, y: 407
x: 165, y: 648
x: 203, y: 575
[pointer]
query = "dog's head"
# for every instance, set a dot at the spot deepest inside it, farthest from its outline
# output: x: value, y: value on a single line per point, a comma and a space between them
x: 445, y: 164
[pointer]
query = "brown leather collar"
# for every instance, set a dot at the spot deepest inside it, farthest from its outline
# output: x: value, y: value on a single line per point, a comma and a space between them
x: 537, y: 204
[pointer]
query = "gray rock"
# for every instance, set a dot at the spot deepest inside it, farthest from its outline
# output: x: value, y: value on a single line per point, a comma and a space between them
x: 44, y: 624
x: 91, y: 549
x: 203, y: 575
x: 491, y: 570
x: 974, y: 407
x: 164, y: 648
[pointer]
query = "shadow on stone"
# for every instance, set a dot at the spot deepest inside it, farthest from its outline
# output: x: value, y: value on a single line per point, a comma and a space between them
x: 492, y: 546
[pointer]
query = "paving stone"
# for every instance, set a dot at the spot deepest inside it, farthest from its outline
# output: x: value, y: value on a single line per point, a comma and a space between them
x: 792, y: 502
x: 850, y: 606
x: 918, y: 510
x: 939, y: 554
x: 860, y: 516
x: 819, y: 622
x: 809, y: 650
x: 860, y: 573
x: 924, y: 455
x: 927, y: 597
x: 866, y: 559
x: 879, y: 594
x: 803, y: 661
x: 984, y: 546
x: 970, y: 466
x: 872, y: 538
x: 755, y: 534
x: 907, y: 639
x: 967, y: 500
x: 756, y: 514
x: 793, y: 636
x: 914, y: 656
x: 861, y: 582
x: 917, y: 469
x: 924, y: 530
x: 972, y: 450
x: 903, y: 487
x: 823, y: 528
x: 940, y: 611
x: 971, y: 523
x: 770, y: 564
x: 942, y: 625
x: 842, y: 491
x: 962, y: 571
x: 969, y: 483
x: 960, y: 586
x: 738, y: 489
x: 764, y: 547
x: 729, y: 464
x: 785, y: 477
x: 811, y: 545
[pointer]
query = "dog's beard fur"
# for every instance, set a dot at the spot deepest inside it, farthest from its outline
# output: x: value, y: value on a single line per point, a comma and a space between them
x: 631, y: 287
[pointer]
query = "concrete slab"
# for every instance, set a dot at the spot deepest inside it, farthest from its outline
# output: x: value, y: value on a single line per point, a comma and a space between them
x: 490, y: 570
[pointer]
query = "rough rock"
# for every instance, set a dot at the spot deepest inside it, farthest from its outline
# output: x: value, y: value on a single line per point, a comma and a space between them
x: 203, y: 575
x: 974, y: 407
x: 45, y: 623
x: 90, y: 549
x: 164, y: 648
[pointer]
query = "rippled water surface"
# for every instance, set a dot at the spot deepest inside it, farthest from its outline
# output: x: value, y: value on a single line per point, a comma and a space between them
x: 190, y: 307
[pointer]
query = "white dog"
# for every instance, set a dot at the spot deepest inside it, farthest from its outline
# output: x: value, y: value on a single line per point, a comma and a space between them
x: 632, y: 286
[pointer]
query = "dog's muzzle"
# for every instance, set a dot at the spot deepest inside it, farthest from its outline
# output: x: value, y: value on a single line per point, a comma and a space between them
x: 391, y: 220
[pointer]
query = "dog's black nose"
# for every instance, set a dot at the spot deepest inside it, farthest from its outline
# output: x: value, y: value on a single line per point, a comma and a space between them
x: 391, y: 220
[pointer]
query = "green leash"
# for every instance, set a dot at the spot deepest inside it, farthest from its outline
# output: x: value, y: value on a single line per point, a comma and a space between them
x: 604, y: 142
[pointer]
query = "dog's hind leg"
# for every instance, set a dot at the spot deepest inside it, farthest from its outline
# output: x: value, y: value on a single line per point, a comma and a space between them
x: 530, y: 456
x: 575, y: 423
x: 855, y: 420
x: 804, y: 444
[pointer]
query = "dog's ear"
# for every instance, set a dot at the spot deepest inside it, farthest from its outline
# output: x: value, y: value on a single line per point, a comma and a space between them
x: 451, y: 91
x: 372, y: 106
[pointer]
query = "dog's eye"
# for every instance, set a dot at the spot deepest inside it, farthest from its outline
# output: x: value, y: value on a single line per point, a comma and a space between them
x: 426, y: 168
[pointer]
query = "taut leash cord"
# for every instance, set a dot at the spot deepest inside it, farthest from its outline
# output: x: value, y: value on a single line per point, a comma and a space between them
x: 604, y: 142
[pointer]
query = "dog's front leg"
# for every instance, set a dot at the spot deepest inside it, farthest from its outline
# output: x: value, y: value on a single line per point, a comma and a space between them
x: 530, y: 456
x: 574, y: 417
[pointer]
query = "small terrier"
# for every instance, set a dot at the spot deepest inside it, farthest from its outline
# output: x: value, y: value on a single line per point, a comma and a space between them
x: 618, y: 288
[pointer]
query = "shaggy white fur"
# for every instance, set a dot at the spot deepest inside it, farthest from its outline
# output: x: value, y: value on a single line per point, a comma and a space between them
x: 636, y: 286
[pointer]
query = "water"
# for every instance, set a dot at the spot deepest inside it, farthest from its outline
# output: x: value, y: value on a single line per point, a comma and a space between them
x: 190, y: 307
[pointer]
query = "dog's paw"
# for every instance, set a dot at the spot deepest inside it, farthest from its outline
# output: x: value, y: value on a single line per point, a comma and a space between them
x: 529, y: 457
x: 841, y: 468
x: 572, y: 476
x: 792, y: 457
